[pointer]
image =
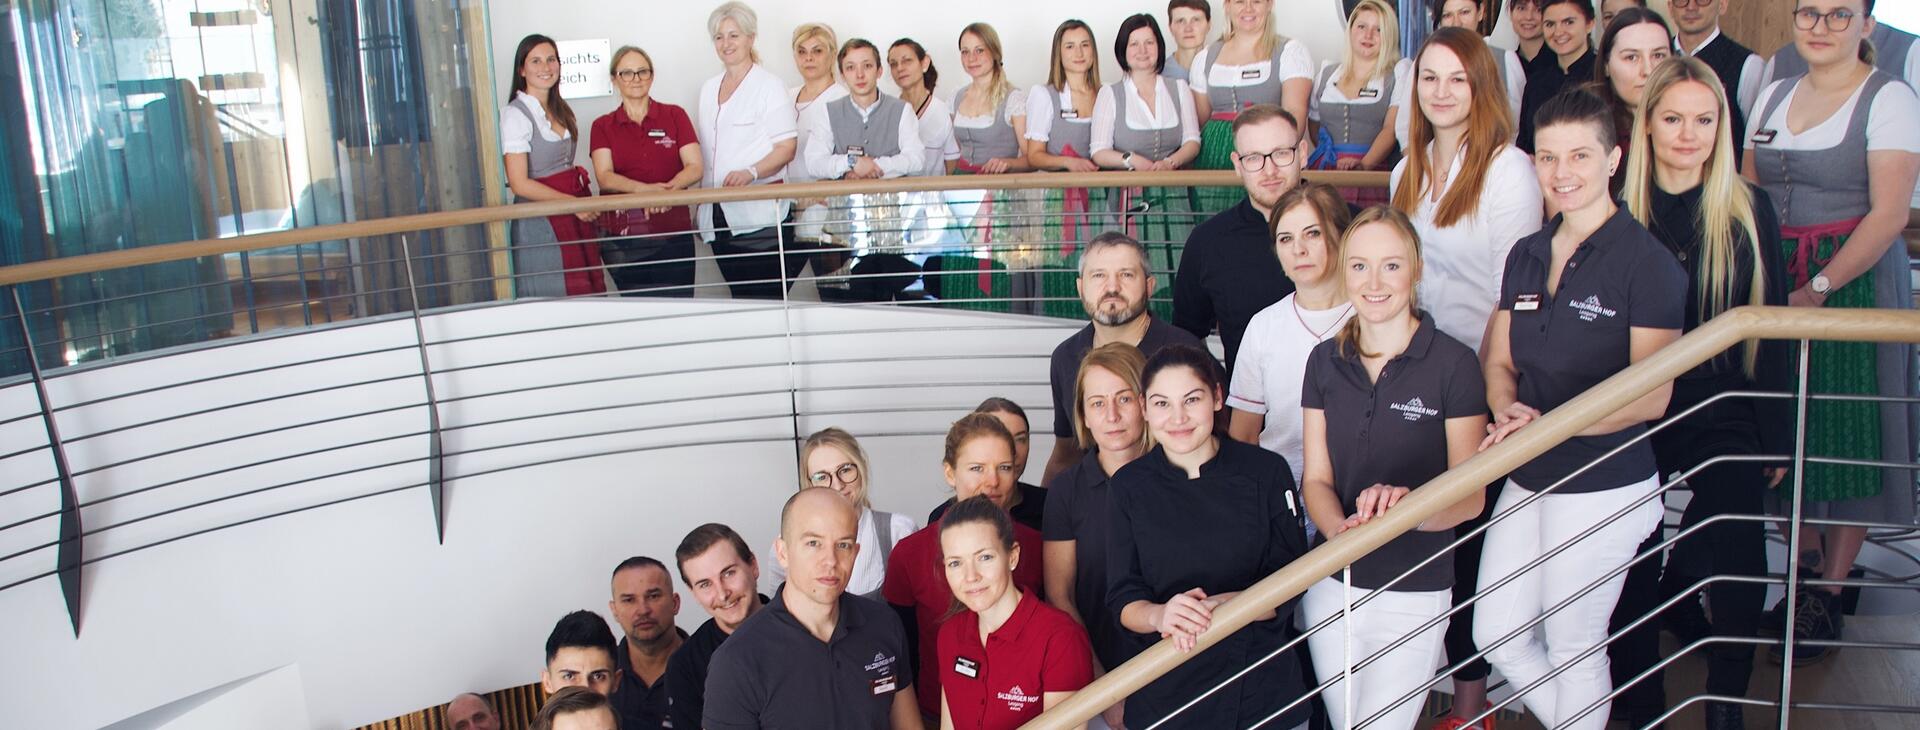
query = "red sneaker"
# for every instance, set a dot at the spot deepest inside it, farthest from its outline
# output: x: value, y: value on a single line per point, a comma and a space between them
x: 1456, y: 722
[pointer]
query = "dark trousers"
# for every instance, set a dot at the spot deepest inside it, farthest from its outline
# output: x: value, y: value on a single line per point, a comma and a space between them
x: 1466, y: 579
x: 655, y: 266
x: 753, y: 264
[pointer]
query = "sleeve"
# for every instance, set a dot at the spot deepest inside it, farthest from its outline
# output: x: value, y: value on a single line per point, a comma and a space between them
x: 897, y: 587
x: 1657, y: 291
x: 913, y: 154
x: 1056, y: 525
x: 777, y: 116
x: 1196, y: 74
x: 1060, y: 373
x: 1512, y: 210
x: 1311, y: 395
x: 1103, y: 120
x: 950, y: 146
x: 1192, y: 307
x: 1766, y: 73
x: 1466, y: 388
x: 1016, y: 105
x: 903, y: 526
x: 1125, y: 582
x: 1890, y: 121
x: 599, y: 136
x: 685, y: 693
x: 1516, y: 83
x: 1041, y: 114
x: 1403, y: 101
x: 822, y: 164
x: 1774, y: 363
x: 1247, y: 391
x: 1068, y: 663
x: 1189, y: 120
x: 1911, y: 74
x: 1295, y: 62
x: 516, y: 132
x: 1751, y: 74
x: 1286, y: 532
x: 731, y: 702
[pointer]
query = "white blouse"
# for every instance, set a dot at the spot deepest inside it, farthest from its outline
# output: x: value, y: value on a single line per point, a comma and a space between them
x: 1268, y: 376
x: 936, y: 132
x: 1462, y: 264
x: 1295, y: 63
x: 1167, y: 112
x: 797, y: 171
x: 739, y: 133
x: 1040, y: 126
x: 1014, y: 106
x: 1890, y: 121
x: 517, y: 130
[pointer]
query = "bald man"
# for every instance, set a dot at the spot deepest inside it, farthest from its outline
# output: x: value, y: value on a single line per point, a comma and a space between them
x: 815, y: 656
x: 472, y: 712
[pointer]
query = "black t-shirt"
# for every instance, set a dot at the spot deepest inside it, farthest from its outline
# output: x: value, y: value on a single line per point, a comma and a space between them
x: 1394, y: 432
x: 1067, y: 357
x: 1228, y: 272
x: 1564, y: 343
x: 1545, y: 80
x: 686, y: 677
x: 1031, y: 511
x: 773, y: 674
x: 1077, y: 511
x: 638, y: 705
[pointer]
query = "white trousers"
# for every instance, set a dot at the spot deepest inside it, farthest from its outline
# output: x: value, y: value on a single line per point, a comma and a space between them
x: 1376, y: 624
x: 1524, y: 536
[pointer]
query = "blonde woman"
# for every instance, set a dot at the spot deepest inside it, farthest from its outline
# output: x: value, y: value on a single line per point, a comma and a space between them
x: 833, y: 458
x: 1353, y: 111
x: 989, y: 122
x: 747, y: 137
x: 1253, y: 63
x: 814, y: 48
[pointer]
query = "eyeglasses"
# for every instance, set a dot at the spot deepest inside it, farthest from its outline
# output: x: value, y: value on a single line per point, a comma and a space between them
x: 1254, y: 161
x: 631, y: 74
x: 1684, y: 4
x: 1838, y: 20
x: 848, y: 473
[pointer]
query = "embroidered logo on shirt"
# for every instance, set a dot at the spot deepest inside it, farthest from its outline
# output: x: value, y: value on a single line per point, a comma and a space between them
x: 1590, y: 309
x: 1017, y: 699
x: 1414, y: 410
x: 881, y: 663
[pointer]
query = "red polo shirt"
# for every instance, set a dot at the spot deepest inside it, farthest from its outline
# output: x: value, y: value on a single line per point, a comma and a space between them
x: 1039, y: 649
x: 916, y: 577
x: 648, y: 151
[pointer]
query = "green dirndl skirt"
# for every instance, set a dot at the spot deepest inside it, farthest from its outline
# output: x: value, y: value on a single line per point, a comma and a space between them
x: 1071, y: 217
x: 1216, y: 153
x: 1838, y: 429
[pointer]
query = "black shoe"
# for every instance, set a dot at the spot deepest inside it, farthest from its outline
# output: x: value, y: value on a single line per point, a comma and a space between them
x: 1725, y: 716
x: 1774, y: 621
x: 1819, y: 619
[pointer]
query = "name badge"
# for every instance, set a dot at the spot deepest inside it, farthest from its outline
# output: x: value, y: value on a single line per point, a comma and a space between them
x: 884, y: 685
x: 1249, y: 73
x: 856, y: 150
x: 1369, y: 93
x: 1765, y: 136
x: 656, y: 133
x: 1526, y: 302
x: 966, y: 667
x: 1069, y: 114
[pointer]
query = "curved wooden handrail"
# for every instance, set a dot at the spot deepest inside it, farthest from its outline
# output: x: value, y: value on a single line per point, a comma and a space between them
x: 108, y: 261
x: 1724, y: 331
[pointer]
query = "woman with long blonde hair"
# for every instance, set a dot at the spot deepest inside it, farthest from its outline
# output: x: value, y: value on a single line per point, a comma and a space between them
x: 1353, y: 111
x: 1252, y: 63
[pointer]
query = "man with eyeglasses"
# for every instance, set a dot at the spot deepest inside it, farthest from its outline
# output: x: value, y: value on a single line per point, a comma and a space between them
x: 1738, y: 67
x: 1228, y: 272
x: 1893, y: 50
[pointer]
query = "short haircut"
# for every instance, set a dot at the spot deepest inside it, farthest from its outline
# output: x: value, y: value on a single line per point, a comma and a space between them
x: 1511, y: 4
x: 856, y: 44
x: 641, y: 561
x: 997, y: 404
x: 1127, y: 27
x: 1119, y: 358
x: 485, y: 701
x: 580, y: 630
x: 1261, y: 114
x: 1584, y: 6
x: 970, y: 427
x: 1114, y: 238
x: 702, y: 539
x: 742, y: 16
x: 1205, y: 8
x: 1578, y: 105
x: 570, y: 700
x: 1192, y: 358
x: 786, y: 510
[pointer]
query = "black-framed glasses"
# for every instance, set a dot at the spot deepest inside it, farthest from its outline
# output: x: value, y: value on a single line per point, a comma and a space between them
x: 1838, y: 20
x: 847, y: 473
x: 631, y: 74
x: 1254, y: 161
x: 1684, y: 4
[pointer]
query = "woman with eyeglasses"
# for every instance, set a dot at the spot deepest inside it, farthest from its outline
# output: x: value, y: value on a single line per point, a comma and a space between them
x: 537, y: 136
x: 1635, y: 42
x: 641, y: 146
x: 1837, y: 150
x: 1353, y: 108
x: 1568, y: 60
x: 978, y: 461
x: 833, y: 458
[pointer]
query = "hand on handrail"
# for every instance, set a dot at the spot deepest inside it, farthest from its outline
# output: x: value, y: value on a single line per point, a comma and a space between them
x: 1182, y: 618
x: 1508, y: 420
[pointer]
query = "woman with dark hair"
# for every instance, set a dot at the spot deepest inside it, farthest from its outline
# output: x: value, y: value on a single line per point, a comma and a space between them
x: 537, y: 135
x: 747, y: 134
x: 1588, y: 295
x: 1195, y: 521
x: 1567, y: 61
x: 1635, y: 42
x: 642, y: 146
x: 1837, y: 149
x: 1189, y: 21
x: 978, y: 461
x: 1005, y: 656
x: 913, y: 72
x: 1143, y: 121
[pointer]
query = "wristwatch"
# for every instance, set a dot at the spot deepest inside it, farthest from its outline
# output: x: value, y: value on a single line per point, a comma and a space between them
x: 1128, y: 160
x: 1821, y: 285
x: 853, y: 161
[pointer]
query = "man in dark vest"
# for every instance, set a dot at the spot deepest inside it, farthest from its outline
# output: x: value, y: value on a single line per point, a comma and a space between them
x: 1738, y: 67
x: 864, y: 135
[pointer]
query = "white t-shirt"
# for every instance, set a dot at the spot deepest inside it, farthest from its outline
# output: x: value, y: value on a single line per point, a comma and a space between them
x: 1168, y: 112
x: 817, y: 128
x: 1014, y: 106
x: 1516, y: 82
x: 1268, y: 377
x: 1295, y: 63
x: 1462, y: 264
x: 869, y: 571
x: 739, y: 133
x: 936, y: 132
x: 516, y: 129
x: 797, y: 171
x: 1890, y: 121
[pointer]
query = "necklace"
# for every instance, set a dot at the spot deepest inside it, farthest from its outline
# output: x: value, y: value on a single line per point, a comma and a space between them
x: 1321, y: 335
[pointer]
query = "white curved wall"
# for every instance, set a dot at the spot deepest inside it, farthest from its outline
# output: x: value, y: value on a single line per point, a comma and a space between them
x: 353, y: 613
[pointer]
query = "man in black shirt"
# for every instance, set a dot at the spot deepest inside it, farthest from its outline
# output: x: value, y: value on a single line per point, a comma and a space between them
x: 1114, y: 285
x: 817, y: 657
x: 720, y: 569
x: 643, y: 605
x: 1228, y: 271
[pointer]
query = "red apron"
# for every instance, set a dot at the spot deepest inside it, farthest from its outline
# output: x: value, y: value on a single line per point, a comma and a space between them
x: 579, y: 261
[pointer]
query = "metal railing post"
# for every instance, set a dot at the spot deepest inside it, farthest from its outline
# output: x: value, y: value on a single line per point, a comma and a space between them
x: 436, y: 477
x: 1801, y: 404
x: 786, y: 319
x: 71, y: 551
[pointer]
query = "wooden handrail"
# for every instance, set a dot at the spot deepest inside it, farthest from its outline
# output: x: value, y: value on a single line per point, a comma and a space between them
x: 108, y: 261
x: 1724, y: 331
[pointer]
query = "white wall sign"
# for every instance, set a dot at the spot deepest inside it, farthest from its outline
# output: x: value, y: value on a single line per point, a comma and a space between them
x: 583, y: 68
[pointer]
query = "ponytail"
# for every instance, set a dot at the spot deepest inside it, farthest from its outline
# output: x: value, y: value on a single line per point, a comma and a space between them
x: 1348, y: 341
x: 1868, y: 54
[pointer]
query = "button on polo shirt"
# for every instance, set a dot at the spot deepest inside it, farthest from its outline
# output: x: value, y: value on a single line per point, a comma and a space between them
x: 648, y: 151
x: 1394, y: 431
x: 1569, y: 341
x: 773, y: 674
x: 638, y: 705
x: 1039, y: 649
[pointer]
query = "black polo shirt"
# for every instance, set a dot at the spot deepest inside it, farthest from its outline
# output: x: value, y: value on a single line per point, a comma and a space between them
x: 1031, y: 511
x: 1077, y: 511
x: 1394, y: 431
x: 773, y: 674
x: 1228, y: 272
x: 1569, y: 341
x: 638, y: 705
x: 1067, y: 356
x: 1546, y: 80
x: 686, y: 676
